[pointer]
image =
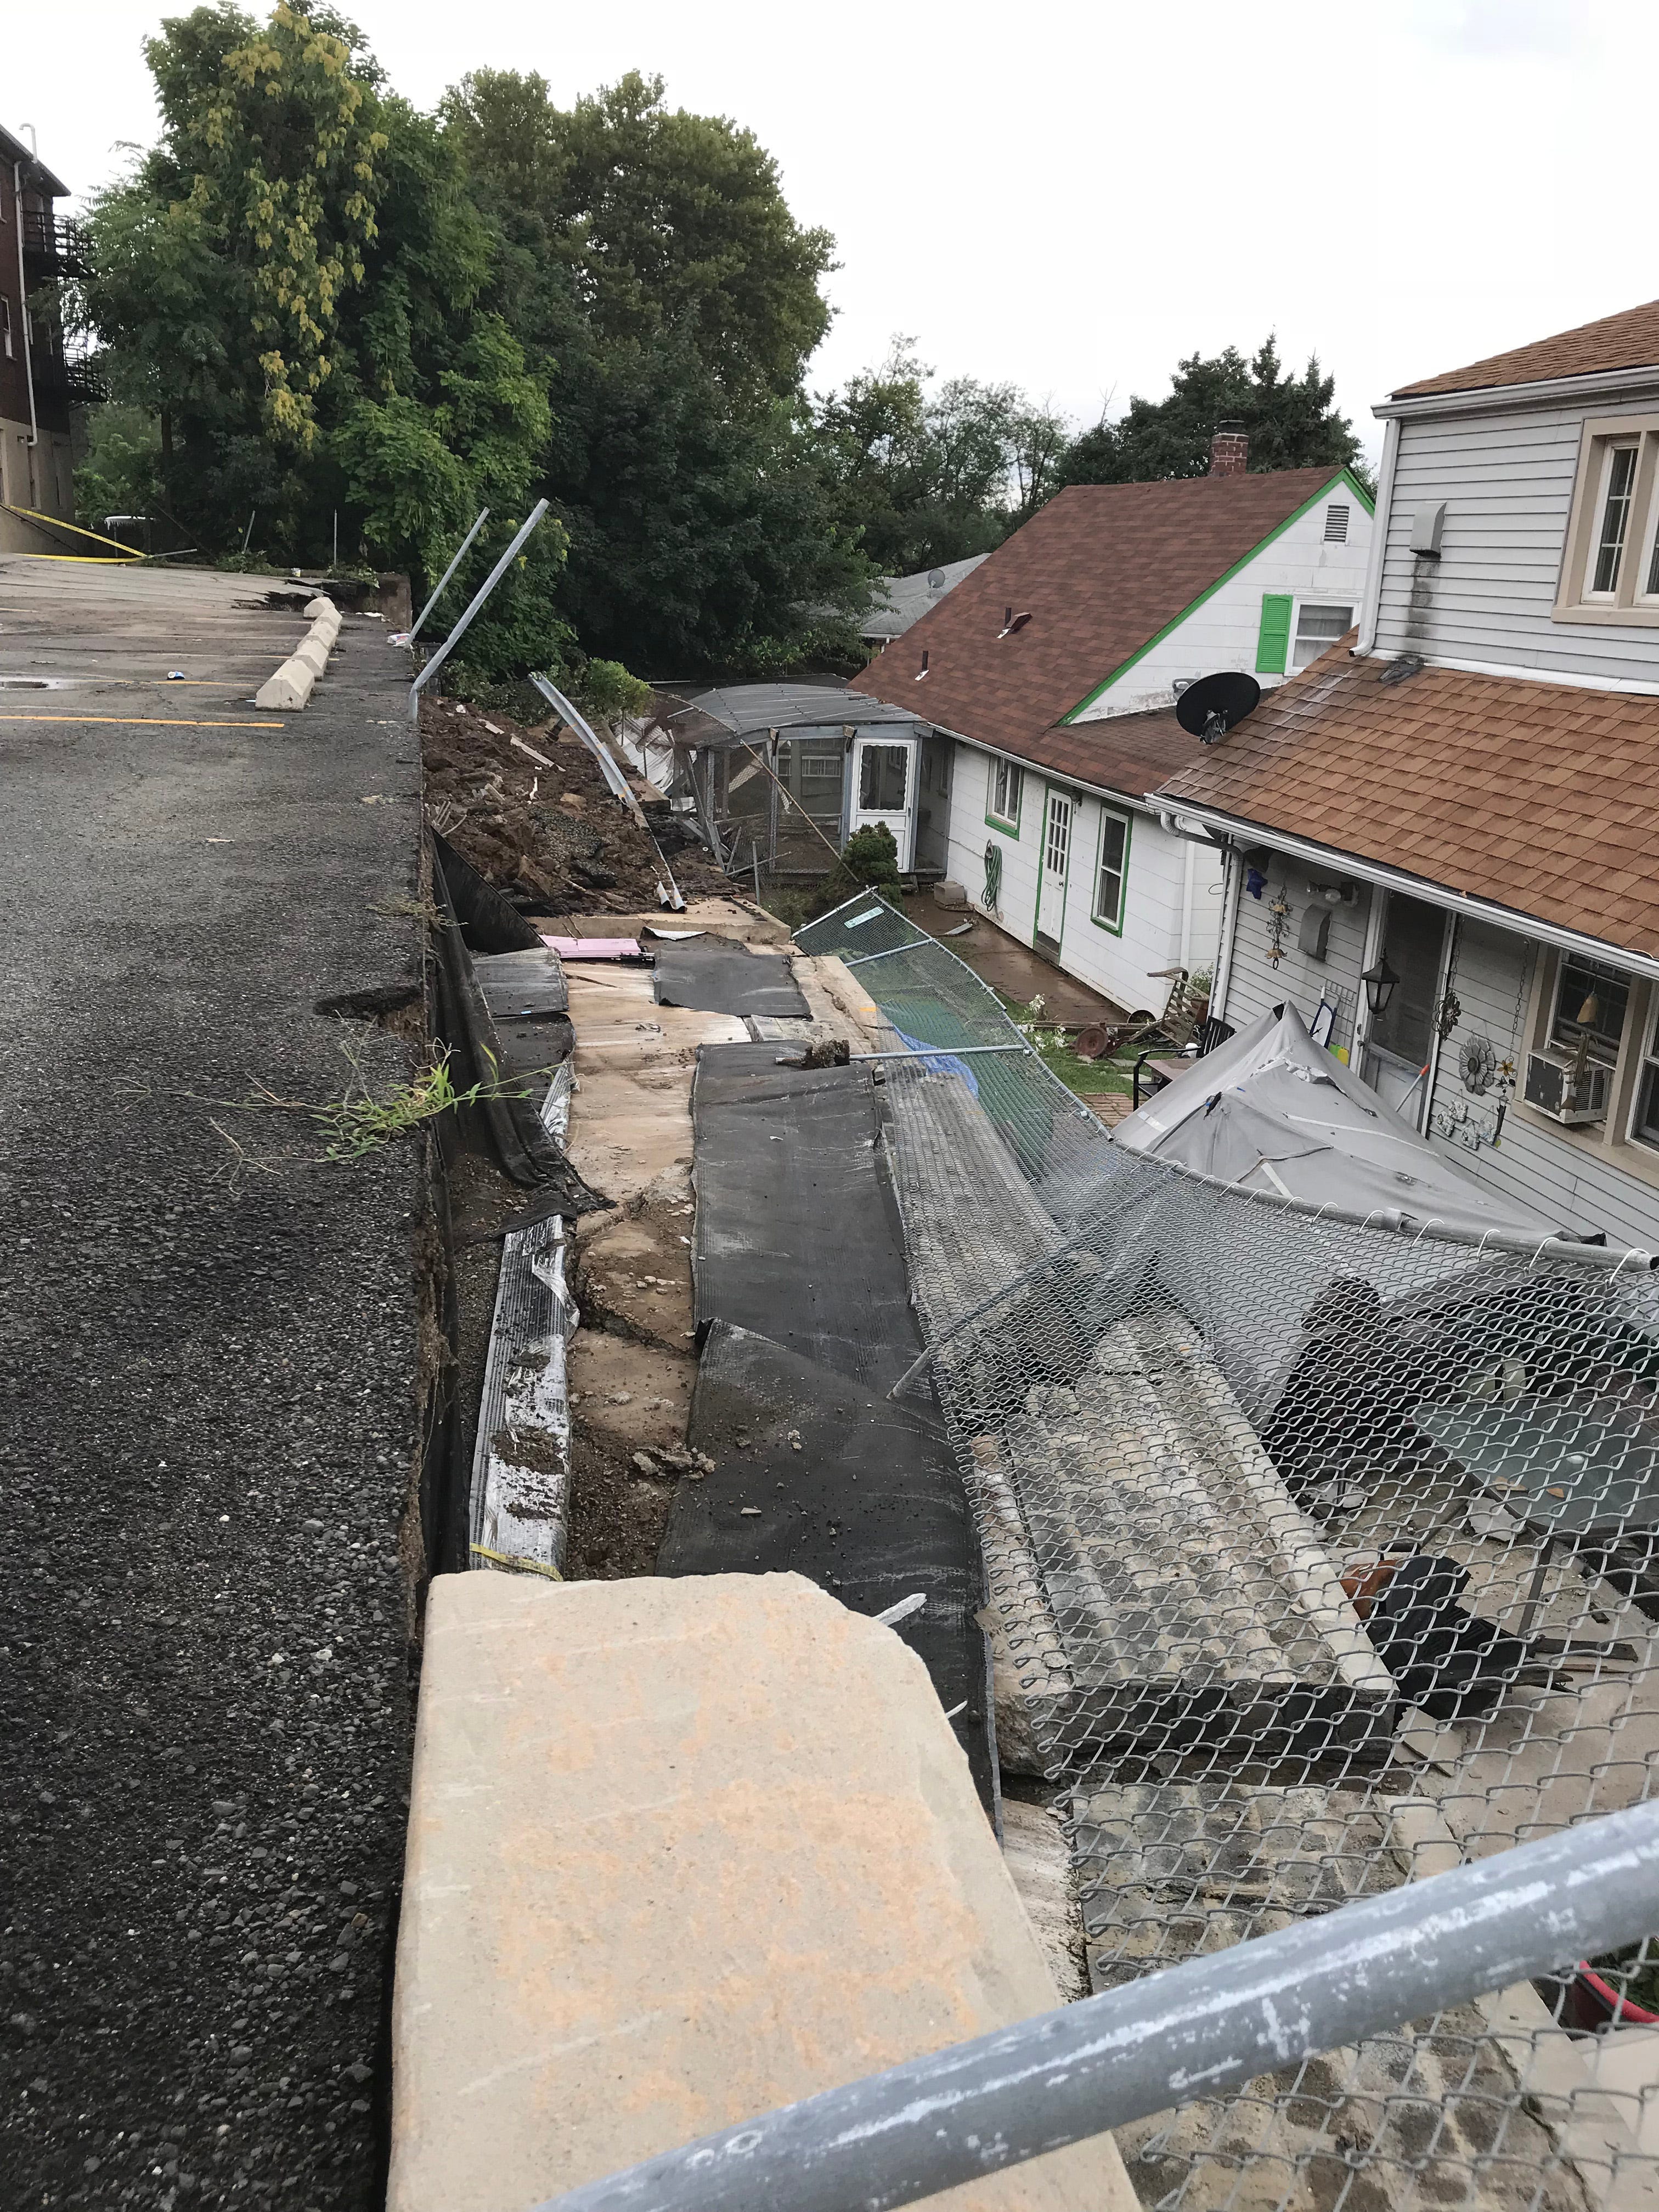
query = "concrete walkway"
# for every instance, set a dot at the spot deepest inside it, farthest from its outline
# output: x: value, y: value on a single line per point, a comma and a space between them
x: 208, y: 1411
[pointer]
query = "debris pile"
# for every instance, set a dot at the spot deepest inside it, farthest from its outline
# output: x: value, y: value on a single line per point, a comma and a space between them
x: 527, y: 806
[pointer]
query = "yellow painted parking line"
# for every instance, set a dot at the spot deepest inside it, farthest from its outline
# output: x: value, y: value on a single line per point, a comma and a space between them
x: 143, y: 721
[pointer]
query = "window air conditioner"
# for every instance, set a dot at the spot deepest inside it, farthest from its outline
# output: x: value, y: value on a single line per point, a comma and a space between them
x: 1551, y: 1088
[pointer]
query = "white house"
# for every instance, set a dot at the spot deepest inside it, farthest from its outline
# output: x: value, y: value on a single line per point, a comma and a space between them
x: 1446, y: 834
x: 1049, y: 676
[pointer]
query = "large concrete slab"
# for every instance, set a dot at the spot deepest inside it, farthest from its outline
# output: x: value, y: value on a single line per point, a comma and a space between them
x: 208, y: 1416
x: 678, y: 1852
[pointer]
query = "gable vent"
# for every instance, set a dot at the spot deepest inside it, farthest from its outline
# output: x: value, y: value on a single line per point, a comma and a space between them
x: 1336, y: 523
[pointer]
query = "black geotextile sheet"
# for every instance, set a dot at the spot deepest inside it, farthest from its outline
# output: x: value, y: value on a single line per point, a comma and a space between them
x: 803, y: 1303
x: 797, y: 1235
x: 716, y: 976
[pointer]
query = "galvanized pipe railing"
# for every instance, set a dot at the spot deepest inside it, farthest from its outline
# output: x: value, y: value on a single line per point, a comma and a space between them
x: 478, y: 597
x: 1201, y: 2030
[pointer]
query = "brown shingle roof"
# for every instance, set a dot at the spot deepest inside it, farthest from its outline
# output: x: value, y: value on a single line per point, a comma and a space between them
x: 1101, y: 570
x: 1630, y: 340
x: 1540, y: 797
x: 1130, y: 753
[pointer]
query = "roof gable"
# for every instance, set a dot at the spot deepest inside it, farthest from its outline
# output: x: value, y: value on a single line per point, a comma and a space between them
x: 1628, y: 340
x: 1103, y: 571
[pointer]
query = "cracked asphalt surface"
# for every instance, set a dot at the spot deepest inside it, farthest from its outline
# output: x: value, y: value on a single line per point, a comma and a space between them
x: 208, y: 1418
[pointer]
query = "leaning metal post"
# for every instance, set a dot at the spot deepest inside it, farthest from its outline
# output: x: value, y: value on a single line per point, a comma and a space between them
x: 482, y: 594
x: 1200, y: 2029
x: 443, y: 580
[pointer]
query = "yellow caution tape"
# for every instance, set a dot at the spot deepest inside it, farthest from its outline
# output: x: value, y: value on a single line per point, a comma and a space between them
x: 520, y: 1564
x: 57, y: 522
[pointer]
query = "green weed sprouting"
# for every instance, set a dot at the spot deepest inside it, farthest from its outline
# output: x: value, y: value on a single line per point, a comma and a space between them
x: 360, y: 1121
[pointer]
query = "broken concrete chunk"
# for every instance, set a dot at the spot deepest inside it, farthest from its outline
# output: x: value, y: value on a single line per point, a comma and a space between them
x: 644, y: 1463
x: 592, y: 1918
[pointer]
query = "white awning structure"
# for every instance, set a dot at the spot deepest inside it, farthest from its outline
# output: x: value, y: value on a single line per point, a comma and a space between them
x: 1271, y: 1110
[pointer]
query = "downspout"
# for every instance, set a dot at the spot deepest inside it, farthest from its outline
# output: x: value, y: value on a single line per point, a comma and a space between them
x: 1186, y: 905
x: 1372, y: 607
x: 23, y: 305
x: 1233, y: 879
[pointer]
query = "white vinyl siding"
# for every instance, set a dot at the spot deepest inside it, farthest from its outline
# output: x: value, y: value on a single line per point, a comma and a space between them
x: 1255, y: 985
x: 1507, y: 481
x: 1121, y: 966
x: 1576, y: 1185
x: 1300, y: 563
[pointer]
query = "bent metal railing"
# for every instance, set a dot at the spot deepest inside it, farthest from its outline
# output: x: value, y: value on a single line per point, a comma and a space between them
x: 1208, y: 2027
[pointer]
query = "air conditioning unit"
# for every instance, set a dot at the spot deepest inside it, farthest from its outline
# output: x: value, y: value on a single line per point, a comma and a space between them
x: 1554, y: 1089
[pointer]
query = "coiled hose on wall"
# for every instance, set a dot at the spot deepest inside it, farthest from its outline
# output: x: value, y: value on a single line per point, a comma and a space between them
x: 992, y: 893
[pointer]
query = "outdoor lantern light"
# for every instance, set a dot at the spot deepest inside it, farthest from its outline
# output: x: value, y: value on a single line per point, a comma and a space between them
x: 1380, y: 982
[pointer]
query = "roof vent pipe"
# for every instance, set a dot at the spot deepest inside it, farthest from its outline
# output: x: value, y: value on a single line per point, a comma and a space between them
x: 1230, y: 450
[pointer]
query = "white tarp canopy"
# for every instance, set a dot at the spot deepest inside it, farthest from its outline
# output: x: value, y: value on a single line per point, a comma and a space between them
x: 1271, y: 1109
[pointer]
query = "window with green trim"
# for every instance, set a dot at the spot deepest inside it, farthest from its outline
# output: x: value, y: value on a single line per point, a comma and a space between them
x: 1111, y: 869
x: 1002, y: 805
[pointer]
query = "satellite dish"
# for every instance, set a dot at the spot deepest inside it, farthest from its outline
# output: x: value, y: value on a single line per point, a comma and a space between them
x: 1210, y: 707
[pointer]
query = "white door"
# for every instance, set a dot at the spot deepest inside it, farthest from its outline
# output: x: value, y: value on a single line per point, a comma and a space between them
x: 884, y: 790
x: 1056, y: 859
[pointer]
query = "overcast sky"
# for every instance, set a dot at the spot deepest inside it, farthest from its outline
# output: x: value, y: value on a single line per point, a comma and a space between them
x: 1072, y: 196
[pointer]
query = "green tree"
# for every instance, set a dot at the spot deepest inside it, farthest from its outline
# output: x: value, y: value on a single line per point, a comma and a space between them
x: 1293, y: 423
x: 930, y: 477
x: 651, y: 254
x: 290, y: 284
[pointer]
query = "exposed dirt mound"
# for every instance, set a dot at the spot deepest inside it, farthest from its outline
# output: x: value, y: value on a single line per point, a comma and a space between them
x: 551, y: 835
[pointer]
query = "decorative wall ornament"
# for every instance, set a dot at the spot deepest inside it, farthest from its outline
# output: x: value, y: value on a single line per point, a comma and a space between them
x: 1278, y: 912
x: 1477, y: 1064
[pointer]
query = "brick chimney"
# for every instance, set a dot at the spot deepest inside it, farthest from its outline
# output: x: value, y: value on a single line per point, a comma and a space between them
x: 1230, y: 450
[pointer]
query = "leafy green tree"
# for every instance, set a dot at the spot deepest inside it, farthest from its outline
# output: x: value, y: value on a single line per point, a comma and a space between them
x: 1293, y: 423
x: 291, y: 283
x: 935, y: 477
x: 651, y: 255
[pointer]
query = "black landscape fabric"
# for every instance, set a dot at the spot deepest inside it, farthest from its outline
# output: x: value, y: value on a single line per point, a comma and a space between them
x: 716, y: 976
x: 802, y: 1294
x: 798, y: 1236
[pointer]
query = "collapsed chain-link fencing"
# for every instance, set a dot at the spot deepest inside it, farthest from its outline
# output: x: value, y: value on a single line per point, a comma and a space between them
x: 1323, y: 1555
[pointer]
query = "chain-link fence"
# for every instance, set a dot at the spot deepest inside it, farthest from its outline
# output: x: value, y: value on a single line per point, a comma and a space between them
x: 1321, y: 1555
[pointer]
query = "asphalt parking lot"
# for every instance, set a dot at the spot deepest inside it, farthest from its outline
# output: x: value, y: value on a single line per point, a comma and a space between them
x: 207, y: 1411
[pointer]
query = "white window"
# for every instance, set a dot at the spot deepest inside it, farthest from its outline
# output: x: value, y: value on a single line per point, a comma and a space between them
x: 883, y: 772
x: 1317, y: 629
x: 1610, y: 573
x: 1644, y: 1121
x: 1591, y: 1002
x: 1111, y: 869
x: 1006, y: 780
x: 1612, y: 506
x: 1336, y: 523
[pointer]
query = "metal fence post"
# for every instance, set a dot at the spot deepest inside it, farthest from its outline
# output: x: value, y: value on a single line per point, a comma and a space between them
x: 460, y: 552
x: 1203, y: 2028
x: 481, y: 595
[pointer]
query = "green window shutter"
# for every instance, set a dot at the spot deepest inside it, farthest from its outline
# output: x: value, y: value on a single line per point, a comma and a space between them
x: 1273, y: 646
